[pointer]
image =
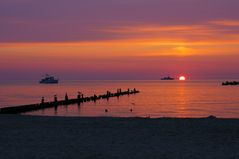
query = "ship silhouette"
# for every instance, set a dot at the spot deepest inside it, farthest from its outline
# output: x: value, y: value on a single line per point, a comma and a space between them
x: 167, y: 78
x: 49, y: 80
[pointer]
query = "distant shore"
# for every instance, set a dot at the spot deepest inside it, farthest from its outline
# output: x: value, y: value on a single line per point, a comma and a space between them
x: 25, y: 137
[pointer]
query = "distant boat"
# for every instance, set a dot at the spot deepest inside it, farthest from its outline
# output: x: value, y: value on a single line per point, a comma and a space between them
x: 49, y: 80
x: 227, y: 83
x: 167, y: 78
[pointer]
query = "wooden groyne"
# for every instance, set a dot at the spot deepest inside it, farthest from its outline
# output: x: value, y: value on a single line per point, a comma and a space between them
x: 80, y: 99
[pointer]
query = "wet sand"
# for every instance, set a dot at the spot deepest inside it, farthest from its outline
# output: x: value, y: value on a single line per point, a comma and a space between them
x: 33, y: 137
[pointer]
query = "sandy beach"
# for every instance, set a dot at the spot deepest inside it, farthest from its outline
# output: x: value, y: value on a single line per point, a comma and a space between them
x: 34, y: 137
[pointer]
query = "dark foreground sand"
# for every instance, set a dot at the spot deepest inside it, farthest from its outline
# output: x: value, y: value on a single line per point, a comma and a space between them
x: 23, y: 137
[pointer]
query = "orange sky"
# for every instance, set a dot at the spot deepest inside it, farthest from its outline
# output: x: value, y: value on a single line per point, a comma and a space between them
x: 204, y: 48
x: 145, y: 57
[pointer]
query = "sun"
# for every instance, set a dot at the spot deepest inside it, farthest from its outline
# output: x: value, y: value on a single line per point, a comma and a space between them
x: 182, y: 78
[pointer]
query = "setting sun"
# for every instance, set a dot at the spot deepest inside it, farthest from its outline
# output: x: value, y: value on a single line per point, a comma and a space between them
x: 182, y: 78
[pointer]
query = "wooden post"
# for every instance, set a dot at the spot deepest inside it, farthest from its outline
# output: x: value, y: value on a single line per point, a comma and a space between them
x: 95, y: 97
x: 79, y: 97
x: 55, y: 98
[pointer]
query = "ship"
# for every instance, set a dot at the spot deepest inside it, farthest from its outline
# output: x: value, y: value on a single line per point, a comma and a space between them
x: 167, y: 78
x: 227, y: 83
x: 49, y: 80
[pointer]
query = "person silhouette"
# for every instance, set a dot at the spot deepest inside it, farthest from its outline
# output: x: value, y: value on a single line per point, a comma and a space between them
x: 66, y: 97
x: 42, y: 100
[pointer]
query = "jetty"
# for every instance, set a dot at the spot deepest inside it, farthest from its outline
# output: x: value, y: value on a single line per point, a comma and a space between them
x: 227, y: 83
x: 80, y: 99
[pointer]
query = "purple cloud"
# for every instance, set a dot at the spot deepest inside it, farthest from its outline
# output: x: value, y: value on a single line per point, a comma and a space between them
x: 78, y: 20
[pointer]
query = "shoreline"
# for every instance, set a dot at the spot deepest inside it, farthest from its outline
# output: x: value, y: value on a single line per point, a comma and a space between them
x: 211, y: 117
x: 24, y: 136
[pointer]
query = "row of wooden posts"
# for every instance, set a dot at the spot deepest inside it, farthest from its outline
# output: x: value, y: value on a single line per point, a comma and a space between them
x: 80, y: 99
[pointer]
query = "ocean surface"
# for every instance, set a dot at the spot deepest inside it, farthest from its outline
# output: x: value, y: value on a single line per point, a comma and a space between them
x: 157, y: 98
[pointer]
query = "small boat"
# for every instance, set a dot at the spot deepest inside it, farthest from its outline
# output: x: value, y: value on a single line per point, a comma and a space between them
x: 167, y: 78
x: 227, y: 83
x: 49, y: 80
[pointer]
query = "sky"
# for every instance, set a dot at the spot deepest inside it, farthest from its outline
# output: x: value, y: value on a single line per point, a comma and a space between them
x: 119, y: 40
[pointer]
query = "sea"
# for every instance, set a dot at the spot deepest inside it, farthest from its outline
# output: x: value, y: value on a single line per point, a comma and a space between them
x: 184, y: 99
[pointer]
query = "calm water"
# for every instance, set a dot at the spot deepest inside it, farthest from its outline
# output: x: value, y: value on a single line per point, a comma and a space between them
x: 157, y: 98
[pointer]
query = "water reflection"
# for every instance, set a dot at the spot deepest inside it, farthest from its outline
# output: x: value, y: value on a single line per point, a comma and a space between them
x: 55, y: 108
x: 182, y: 101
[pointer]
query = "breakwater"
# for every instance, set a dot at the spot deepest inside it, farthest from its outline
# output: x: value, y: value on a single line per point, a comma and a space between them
x: 55, y: 103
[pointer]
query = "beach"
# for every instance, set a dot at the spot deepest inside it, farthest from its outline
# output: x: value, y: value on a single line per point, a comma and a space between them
x: 37, y: 137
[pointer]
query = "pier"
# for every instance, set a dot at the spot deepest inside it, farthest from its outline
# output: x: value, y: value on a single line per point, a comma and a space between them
x: 80, y: 99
